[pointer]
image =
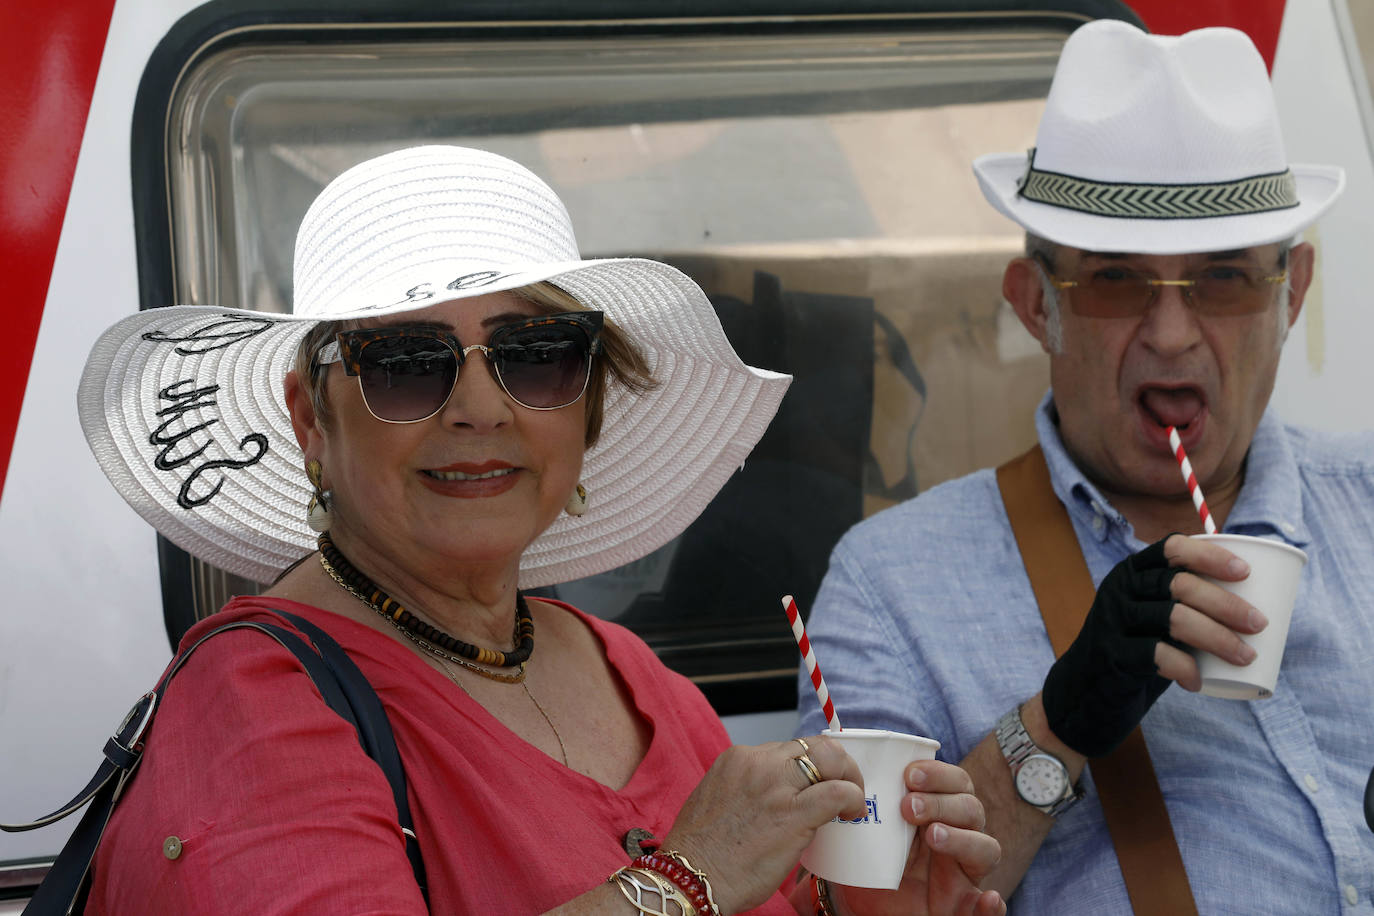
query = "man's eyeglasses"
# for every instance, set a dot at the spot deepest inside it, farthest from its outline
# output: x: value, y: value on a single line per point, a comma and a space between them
x: 1114, y: 291
x: 406, y: 374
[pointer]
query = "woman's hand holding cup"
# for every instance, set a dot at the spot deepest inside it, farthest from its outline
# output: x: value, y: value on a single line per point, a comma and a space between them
x: 758, y: 808
x: 748, y: 820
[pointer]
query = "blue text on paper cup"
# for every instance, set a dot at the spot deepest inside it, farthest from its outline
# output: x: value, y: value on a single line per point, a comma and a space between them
x: 869, y: 817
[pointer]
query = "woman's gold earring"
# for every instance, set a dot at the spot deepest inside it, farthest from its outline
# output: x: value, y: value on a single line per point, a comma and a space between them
x: 577, y: 503
x: 317, y: 514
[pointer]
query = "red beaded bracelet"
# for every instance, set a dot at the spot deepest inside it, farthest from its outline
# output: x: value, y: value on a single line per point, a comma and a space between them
x: 679, y: 871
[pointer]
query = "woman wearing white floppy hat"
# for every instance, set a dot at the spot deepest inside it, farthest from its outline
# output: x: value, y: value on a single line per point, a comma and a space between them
x: 610, y: 410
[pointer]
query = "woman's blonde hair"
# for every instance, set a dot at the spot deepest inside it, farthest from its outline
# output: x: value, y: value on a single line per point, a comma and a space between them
x: 620, y: 359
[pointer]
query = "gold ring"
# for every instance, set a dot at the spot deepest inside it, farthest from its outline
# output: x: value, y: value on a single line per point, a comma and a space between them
x: 809, y: 769
x: 806, y: 748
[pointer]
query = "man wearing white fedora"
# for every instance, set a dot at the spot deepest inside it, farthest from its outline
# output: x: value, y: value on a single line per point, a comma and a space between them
x: 1162, y: 272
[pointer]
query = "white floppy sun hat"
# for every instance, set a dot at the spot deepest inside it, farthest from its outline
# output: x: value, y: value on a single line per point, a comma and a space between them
x: 184, y: 406
x: 1158, y: 145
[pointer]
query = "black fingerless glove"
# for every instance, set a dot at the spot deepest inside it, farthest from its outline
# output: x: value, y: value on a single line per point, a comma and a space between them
x: 1101, y: 688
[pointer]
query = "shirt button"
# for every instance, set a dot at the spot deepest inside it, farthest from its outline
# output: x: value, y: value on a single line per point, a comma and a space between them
x: 1352, y: 896
x: 1288, y: 527
x: 634, y: 841
x: 1311, y: 782
x: 171, y: 848
x: 1098, y: 524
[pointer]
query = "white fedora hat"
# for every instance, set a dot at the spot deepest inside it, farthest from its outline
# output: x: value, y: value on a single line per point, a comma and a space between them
x: 1158, y: 145
x: 184, y: 408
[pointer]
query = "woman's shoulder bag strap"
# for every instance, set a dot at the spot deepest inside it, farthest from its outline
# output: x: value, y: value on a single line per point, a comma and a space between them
x: 1126, y: 783
x: 339, y: 681
x: 374, y: 731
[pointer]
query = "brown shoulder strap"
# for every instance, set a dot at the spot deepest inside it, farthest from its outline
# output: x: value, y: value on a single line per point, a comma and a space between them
x: 1125, y: 778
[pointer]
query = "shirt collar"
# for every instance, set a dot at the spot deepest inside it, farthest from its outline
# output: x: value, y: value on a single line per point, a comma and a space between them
x: 1074, y: 490
x: 1270, y: 500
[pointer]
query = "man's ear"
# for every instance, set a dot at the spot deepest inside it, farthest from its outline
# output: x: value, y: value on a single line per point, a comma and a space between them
x: 305, y: 423
x: 1024, y: 289
x: 1302, y: 260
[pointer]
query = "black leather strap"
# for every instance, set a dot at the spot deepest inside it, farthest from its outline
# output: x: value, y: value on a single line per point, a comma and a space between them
x: 1127, y: 787
x: 341, y: 684
x: 374, y: 731
x: 64, y: 888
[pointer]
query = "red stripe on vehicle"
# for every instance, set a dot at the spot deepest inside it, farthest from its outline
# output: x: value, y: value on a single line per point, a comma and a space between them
x: 49, y: 56
x: 1260, y: 19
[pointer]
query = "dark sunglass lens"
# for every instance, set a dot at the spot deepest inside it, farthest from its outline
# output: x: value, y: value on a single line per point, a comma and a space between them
x: 406, y: 378
x: 544, y: 365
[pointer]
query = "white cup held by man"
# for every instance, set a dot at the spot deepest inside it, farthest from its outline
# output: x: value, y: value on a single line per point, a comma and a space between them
x: 871, y: 851
x: 1272, y: 586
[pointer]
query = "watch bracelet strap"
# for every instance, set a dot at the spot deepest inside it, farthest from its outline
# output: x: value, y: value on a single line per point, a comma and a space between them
x: 1127, y: 786
x: 1074, y: 796
x: 1017, y: 745
x: 1013, y: 739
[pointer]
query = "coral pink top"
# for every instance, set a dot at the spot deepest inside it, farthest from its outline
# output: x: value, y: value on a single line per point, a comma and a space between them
x: 279, y: 810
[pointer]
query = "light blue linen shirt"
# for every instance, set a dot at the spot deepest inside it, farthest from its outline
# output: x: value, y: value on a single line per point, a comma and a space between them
x: 926, y: 624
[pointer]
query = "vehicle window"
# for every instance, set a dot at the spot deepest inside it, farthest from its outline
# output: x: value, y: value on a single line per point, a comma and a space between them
x: 1356, y: 22
x: 817, y: 186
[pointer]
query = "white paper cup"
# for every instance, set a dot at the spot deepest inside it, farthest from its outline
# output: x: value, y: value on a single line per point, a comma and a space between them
x: 871, y: 851
x: 1272, y: 586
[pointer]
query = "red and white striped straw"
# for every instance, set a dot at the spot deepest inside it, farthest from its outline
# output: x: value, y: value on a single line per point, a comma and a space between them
x: 809, y: 656
x: 1191, y: 479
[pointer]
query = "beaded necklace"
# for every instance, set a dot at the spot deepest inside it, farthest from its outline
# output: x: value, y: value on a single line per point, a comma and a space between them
x: 429, y: 638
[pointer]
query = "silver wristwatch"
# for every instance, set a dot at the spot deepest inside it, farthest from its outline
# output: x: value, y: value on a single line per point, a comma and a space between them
x: 1041, y: 779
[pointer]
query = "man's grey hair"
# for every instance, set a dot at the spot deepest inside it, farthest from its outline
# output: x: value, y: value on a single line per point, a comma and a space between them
x: 1046, y: 254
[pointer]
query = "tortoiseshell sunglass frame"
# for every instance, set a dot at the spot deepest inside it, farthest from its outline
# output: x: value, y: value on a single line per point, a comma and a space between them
x: 348, y: 346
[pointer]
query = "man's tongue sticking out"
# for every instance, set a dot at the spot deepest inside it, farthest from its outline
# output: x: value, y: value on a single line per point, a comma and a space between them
x: 1172, y: 406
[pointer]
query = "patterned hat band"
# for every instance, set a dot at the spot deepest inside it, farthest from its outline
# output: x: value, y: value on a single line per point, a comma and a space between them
x: 1130, y: 200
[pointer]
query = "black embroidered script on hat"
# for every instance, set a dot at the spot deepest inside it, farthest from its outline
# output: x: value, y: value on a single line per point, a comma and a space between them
x: 184, y: 401
x: 481, y: 278
x: 426, y: 290
x: 184, y: 397
x: 217, y: 335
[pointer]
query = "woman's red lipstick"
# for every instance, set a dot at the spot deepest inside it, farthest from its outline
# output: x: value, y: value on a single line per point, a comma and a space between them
x: 471, y: 480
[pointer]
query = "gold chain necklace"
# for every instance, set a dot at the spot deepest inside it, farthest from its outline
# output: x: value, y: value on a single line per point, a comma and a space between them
x: 444, y: 657
x: 453, y: 676
x: 425, y: 646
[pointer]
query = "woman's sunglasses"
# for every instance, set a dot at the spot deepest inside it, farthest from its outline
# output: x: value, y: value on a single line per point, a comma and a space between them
x: 406, y: 374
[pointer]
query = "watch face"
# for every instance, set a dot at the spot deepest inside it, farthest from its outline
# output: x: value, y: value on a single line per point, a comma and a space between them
x: 1041, y: 780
